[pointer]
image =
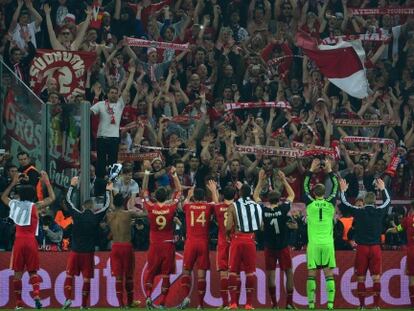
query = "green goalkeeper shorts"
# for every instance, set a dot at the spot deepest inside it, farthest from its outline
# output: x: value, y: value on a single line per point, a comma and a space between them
x: 321, y: 256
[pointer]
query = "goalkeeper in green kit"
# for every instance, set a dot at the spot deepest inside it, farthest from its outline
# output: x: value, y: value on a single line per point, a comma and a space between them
x: 320, y: 218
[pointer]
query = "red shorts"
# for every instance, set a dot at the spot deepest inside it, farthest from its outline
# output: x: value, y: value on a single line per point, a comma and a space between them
x: 80, y: 262
x: 196, y: 252
x: 410, y: 261
x: 368, y: 257
x: 122, y: 259
x: 272, y: 256
x: 242, y: 253
x: 25, y: 254
x: 161, y: 258
x: 222, y: 256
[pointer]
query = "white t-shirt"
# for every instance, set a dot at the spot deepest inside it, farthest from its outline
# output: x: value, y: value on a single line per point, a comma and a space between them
x: 31, y: 28
x: 106, y: 128
x: 126, y: 189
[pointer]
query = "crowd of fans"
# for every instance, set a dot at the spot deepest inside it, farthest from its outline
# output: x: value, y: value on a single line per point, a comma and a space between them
x: 177, y: 98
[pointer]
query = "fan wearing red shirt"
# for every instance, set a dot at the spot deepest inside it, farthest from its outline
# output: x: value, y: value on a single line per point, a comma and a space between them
x: 25, y: 254
x: 407, y: 225
x: 223, y: 245
x: 161, y: 253
x: 197, y: 218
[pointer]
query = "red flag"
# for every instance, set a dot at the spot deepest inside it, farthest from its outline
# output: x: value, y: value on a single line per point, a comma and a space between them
x: 342, y: 63
x: 67, y: 67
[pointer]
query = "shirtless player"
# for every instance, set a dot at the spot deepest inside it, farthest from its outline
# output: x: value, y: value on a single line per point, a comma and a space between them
x: 122, y: 253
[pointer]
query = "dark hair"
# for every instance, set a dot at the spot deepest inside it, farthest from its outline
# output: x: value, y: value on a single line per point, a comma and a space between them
x: 127, y: 169
x: 199, y: 194
x: 229, y: 192
x: 113, y: 88
x: 161, y: 194
x: 118, y: 200
x: 319, y: 190
x: 245, y: 191
x: 88, y: 204
x: 22, y: 153
x: 273, y: 197
x: 179, y: 161
x: 12, y: 50
x: 27, y: 193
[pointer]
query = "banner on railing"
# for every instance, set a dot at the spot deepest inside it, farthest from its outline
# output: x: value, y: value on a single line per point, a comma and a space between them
x: 67, y: 67
x: 394, y: 292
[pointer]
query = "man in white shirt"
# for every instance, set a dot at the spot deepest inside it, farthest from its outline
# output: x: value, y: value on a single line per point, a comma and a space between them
x: 110, y: 113
x: 21, y: 26
x: 127, y: 187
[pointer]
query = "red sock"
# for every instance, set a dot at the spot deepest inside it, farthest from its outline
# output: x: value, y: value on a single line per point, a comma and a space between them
x: 224, y: 291
x: 164, y: 289
x: 289, y: 298
x: 411, y: 290
x: 272, y: 294
x: 86, y: 288
x: 35, y: 281
x: 119, y: 292
x: 17, y: 287
x: 232, y: 285
x: 68, y: 285
x: 238, y: 289
x: 186, y: 284
x: 201, y: 286
x: 129, y: 286
x: 377, y: 293
x: 361, y: 293
x: 250, y: 286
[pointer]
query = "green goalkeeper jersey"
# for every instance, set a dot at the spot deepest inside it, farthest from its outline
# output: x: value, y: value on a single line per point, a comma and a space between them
x: 320, y: 213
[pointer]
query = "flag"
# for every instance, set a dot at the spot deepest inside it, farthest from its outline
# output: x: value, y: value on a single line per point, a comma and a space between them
x: 342, y: 63
x: 67, y: 67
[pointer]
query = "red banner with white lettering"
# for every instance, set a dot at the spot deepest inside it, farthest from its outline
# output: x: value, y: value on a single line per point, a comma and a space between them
x: 394, y: 293
x: 67, y: 67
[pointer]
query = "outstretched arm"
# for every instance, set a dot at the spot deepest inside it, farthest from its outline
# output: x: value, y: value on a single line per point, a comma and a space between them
x: 334, y: 180
x: 73, y: 183
x: 125, y: 92
x: 5, y: 195
x: 56, y: 45
x: 345, y: 204
x: 289, y: 190
x: 385, y: 195
x: 306, y: 183
x: 82, y: 31
x: 37, y: 17
x: 107, y: 199
x: 52, y: 197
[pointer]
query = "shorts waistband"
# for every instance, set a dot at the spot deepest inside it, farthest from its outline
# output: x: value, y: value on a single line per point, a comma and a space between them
x: 122, y: 244
x: 244, y: 236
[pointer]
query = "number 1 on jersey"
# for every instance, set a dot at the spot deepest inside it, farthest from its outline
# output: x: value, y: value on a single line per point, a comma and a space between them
x: 320, y: 214
x: 275, y: 223
x: 200, y: 219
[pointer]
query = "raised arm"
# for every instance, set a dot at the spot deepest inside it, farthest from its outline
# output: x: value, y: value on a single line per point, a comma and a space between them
x: 107, y: 198
x: 345, y: 204
x: 289, y: 190
x: 306, y: 183
x: 52, y: 197
x: 16, y: 15
x: 259, y: 186
x: 125, y: 92
x: 82, y: 31
x: 385, y: 195
x: 328, y: 169
x: 5, y: 195
x: 177, y: 183
x: 56, y: 45
x: 37, y: 17
x: 73, y: 183
x: 212, y: 186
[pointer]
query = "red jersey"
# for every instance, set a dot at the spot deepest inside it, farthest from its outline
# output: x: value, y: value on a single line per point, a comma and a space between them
x: 161, y: 219
x: 197, y: 219
x: 408, y: 225
x: 220, y: 210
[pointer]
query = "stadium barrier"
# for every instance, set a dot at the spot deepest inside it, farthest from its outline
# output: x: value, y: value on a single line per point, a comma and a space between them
x: 394, y: 282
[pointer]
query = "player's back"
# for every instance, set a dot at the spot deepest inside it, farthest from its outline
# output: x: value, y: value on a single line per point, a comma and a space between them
x: 197, y: 219
x: 161, y: 219
x: 369, y: 224
x: 84, y: 231
x: 320, y: 216
x: 120, y: 223
x: 221, y: 212
x: 275, y: 228
x: 22, y: 208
